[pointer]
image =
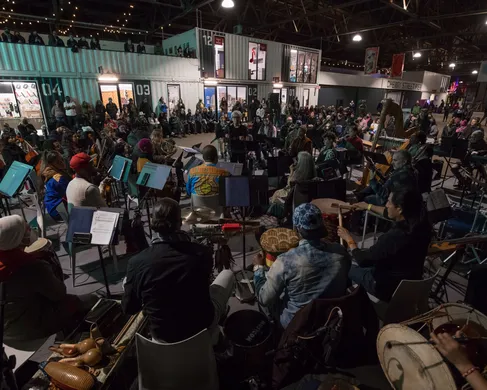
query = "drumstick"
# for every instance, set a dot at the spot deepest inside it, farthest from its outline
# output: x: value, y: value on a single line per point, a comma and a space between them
x: 340, y: 221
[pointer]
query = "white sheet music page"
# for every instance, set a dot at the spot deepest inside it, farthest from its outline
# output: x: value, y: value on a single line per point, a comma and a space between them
x: 103, y: 227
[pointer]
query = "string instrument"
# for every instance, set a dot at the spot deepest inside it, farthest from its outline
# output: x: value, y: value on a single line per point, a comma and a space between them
x: 30, y: 154
x: 389, y: 108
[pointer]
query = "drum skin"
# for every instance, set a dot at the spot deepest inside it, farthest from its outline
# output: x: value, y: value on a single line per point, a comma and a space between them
x: 411, y: 367
x: 68, y: 377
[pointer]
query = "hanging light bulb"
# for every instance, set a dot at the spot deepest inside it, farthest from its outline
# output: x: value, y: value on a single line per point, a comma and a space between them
x: 452, y: 65
x: 357, y: 38
x: 228, y: 4
x: 475, y: 72
x: 417, y: 54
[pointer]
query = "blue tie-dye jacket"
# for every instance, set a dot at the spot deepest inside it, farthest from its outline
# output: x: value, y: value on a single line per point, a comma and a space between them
x: 312, y: 270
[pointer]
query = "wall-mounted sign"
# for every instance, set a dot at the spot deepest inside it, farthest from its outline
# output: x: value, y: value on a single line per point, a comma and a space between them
x: 402, y: 85
x: 142, y: 90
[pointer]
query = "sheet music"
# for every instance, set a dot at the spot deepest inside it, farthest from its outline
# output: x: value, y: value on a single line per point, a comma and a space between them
x: 103, y: 227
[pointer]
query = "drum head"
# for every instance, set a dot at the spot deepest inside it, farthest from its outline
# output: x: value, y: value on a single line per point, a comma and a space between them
x: 279, y: 240
x: 40, y: 244
x: 247, y: 328
x: 458, y: 314
x: 413, y: 366
x: 325, y: 205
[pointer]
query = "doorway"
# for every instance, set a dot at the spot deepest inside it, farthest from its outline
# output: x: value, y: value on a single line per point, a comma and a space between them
x: 173, y: 96
x: 306, y: 97
x: 119, y: 93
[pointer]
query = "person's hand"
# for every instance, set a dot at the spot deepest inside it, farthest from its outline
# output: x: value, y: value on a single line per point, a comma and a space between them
x: 259, y: 259
x: 345, y: 234
x: 452, y: 350
x: 361, y: 206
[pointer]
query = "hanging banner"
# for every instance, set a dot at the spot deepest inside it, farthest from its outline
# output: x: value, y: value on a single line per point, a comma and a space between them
x: 482, y: 76
x: 397, y: 66
x: 371, y: 59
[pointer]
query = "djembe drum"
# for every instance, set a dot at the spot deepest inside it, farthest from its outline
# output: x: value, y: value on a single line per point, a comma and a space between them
x: 411, y: 362
x: 277, y: 241
x: 330, y: 215
x: 43, y: 248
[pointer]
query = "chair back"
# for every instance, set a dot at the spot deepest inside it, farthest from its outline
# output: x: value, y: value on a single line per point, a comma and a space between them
x: 409, y: 300
x: 187, y: 364
x: 210, y: 201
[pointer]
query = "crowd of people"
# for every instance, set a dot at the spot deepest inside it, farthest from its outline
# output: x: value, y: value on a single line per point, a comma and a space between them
x: 173, y: 273
x: 76, y: 44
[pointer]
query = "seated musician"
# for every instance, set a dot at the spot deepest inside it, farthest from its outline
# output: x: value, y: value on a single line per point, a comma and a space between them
x: 203, y: 180
x: 36, y: 301
x: 314, y: 269
x: 303, y: 170
x: 457, y: 355
x: 417, y: 144
x: 291, y: 136
x: 402, y: 177
x: 10, y: 150
x: 284, y: 131
x: 81, y: 191
x: 476, y: 146
x: 328, y: 152
x: 161, y: 150
x: 169, y: 281
x: 238, y: 133
x: 353, y: 143
x: 399, y: 253
x: 301, y: 143
x: 55, y: 178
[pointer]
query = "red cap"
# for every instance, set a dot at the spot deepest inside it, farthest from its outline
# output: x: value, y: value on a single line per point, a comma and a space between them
x: 79, y: 161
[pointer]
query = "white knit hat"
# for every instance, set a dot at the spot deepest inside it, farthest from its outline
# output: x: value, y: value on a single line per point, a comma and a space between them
x: 12, y: 231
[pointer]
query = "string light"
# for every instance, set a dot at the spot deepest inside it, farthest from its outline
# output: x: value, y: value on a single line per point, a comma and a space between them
x: 131, y: 6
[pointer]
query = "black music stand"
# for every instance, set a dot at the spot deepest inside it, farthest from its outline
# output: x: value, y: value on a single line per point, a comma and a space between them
x: 79, y: 232
x: 152, y: 176
x: 457, y: 148
x: 120, y: 170
x: 242, y: 192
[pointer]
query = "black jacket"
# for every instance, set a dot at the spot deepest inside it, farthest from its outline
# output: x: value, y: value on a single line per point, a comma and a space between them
x: 129, y: 48
x: 397, y: 255
x: 35, y: 39
x: 170, y: 282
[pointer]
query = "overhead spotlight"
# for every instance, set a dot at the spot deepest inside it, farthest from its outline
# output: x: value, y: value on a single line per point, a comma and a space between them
x: 475, y: 71
x: 228, y: 4
x: 452, y: 65
x: 417, y: 54
x: 357, y: 38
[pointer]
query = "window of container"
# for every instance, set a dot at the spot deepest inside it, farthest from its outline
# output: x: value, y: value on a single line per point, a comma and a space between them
x: 257, y: 61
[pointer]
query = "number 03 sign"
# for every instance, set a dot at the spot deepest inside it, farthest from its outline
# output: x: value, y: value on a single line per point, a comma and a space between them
x: 142, y: 91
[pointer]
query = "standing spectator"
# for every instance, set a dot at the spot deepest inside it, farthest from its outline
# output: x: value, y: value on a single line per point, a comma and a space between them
x: 141, y: 48
x: 54, y: 40
x: 161, y: 107
x: 99, y: 115
x: 83, y: 43
x: 35, y: 39
x: 95, y: 44
x: 129, y: 46
x: 446, y: 113
x: 57, y: 111
x: 71, y: 42
x: 112, y: 109
x: 7, y: 36
x: 158, y: 49
x: 70, y: 109
x: 19, y: 38
x: 132, y: 110
x: 261, y: 112
x: 145, y: 108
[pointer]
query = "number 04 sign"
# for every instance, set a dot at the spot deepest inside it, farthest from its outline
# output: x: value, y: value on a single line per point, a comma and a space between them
x: 50, y: 90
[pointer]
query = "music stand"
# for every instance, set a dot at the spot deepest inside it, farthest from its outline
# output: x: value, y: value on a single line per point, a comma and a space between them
x: 14, y: 180
x: 235, y: 192
x: 377, y: 158
x: 79, y: 232
x: 120, y: 171
x: 152, y: 176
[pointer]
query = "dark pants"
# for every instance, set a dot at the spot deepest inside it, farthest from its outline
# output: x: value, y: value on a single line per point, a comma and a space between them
x: 369, y: 196
x: 445, y: 116
x: 363, y: 277
x: 71, y: 120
